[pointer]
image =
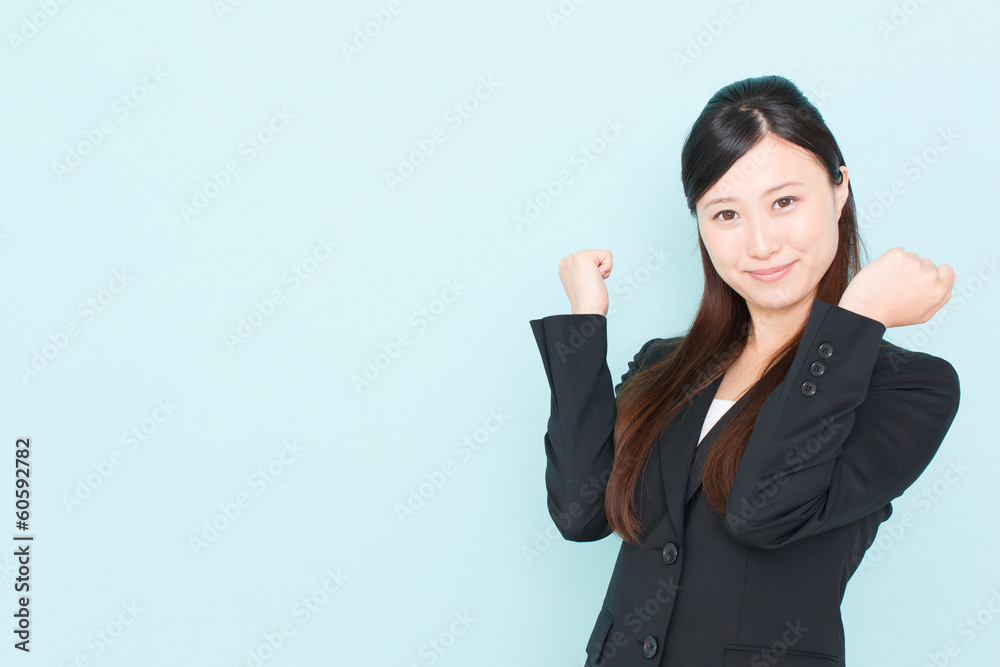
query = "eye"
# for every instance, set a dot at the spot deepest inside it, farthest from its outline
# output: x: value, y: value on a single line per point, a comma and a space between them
x: 723, y: 216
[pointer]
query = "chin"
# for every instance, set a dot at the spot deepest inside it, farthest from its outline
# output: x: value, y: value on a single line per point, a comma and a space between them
x: 776, y: 301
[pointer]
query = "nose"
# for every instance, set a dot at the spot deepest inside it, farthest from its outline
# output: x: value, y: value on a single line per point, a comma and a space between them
x: 762, y: 237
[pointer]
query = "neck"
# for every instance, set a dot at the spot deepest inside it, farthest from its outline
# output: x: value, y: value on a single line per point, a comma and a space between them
x: 773, y: 327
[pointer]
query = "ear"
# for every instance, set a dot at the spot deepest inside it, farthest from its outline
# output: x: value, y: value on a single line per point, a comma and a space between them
x: 841, y: 191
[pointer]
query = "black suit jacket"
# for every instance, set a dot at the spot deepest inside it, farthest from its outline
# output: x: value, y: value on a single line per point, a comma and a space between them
x: 853, y: 424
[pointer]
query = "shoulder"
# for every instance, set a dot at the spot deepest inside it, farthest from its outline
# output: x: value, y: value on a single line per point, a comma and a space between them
x: 655, y: 349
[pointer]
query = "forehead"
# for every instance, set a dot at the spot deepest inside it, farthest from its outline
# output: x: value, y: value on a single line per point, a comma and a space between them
x: 772, y: 161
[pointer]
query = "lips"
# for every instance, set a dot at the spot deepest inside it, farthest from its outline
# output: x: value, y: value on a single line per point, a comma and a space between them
x: 772, y: 270
x: 771, y: 274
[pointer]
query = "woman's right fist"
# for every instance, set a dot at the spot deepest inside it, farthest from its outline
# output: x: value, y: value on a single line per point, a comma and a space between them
x: 582, y: 275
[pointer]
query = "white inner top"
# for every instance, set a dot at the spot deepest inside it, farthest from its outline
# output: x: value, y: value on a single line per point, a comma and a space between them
x: 715, y: 411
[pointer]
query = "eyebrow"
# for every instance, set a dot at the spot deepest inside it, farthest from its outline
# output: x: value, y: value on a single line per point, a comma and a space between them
x: 720, y: 200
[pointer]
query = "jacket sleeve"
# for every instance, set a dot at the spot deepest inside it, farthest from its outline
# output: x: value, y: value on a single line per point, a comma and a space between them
x: 579, y: 445
x: 837, y: 440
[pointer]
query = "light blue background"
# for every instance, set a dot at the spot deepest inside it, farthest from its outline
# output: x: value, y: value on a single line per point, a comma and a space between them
x: 439, y: 261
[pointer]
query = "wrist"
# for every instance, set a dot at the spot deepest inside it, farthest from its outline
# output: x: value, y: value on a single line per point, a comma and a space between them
x: 589, y: 309
x: 861, y: 308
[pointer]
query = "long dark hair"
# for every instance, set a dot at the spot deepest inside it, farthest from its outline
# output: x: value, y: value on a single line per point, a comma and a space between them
x: 735, y: 120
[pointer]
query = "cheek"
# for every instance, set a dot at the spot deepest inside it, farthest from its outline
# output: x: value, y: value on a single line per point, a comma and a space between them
x: 709, y: 240
x: 718, y: 248
x: 829, y: 234
x: 814, y: 230
x: 833, y: 238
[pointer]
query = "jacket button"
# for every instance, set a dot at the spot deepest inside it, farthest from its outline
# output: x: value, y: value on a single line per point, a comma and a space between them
x: 649, y: 647
x: 669, y: 553
x: 808, y: 388
x: 825, y: 350
x: 817, y: 368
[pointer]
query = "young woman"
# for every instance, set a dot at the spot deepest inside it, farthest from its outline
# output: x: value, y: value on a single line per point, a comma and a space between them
x: 747, y: 464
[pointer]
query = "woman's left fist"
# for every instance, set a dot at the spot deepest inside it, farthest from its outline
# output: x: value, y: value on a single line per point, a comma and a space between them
x: 899, y: 289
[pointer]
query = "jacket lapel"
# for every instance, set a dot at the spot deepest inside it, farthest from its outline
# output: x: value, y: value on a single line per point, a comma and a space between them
x: 677, y: 447
x: 682, y: 458
x: 694, y: 479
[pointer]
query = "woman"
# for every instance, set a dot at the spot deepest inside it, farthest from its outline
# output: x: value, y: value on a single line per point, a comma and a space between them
x: 747, y: 464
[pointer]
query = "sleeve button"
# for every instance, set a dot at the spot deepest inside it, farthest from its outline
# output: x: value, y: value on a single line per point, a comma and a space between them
x: 825, y: 350
x: 649, y: 647
x: 808, y: 388
x: 817, y: 368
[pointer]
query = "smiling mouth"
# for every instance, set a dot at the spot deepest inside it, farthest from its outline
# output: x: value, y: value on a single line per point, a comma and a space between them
x: 772, y: 273
x: 767, y: 272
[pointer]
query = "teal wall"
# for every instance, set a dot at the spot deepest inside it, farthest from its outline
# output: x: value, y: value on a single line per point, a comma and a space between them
x: 268, y: 269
